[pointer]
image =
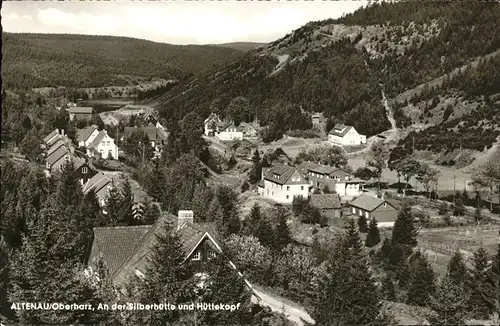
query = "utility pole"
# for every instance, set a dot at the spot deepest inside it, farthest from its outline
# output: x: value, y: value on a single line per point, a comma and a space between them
x: 454, y: 187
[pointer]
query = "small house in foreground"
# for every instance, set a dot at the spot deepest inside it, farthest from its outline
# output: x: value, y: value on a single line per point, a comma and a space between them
x: 372, y: 207
x: 328, y: 204
x: 127, y: 250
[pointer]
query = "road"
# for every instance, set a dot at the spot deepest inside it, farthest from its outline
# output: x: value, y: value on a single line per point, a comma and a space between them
x: 294, y: 313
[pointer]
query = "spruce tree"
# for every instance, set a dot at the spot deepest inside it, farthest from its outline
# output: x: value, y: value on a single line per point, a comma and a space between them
x: 352, y: 239
x: 256, y: 171
x: 150, y: 212
x: 389, y: 289
x: 449, y: 304
x: 202, y: 197
x: 404, y: 232
x: 457, y: 270
x: 362, y: 224
x: 422, y: 285
x: 484, y: 297
x: 126, y: 213
x: 252, y: 220
x: 113, y: 206
x: 264, y: 232
x: 373, y: 236
x: 282, y: 237
x: 167, y: 279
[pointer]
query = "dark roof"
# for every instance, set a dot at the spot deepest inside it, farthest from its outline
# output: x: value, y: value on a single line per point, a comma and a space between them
x: 81, y: 109
x: 260, y: 183
x: 283, y: 171
x: 340, y: 130
x: 190, y: 235
x: 51, y: 135
x: 53, y: 140
x: 84, y: 134
x: 117, y: 243
x: 322, y: 169
x: 57, y: 154
x: 97, y: 182
x: 55, y: 146
x: 78, y: 162
x: 153, y: 133
x: 325, y: 201
x: 367, y: 203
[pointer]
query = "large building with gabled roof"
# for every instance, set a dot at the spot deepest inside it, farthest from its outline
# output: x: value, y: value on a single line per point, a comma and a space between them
x: 343, y: 135
x: 283, y: 183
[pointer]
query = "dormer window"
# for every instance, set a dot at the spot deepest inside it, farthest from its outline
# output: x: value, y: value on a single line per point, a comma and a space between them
x: 211, y: 254
x: 196, y: 256
x: 84, y: 170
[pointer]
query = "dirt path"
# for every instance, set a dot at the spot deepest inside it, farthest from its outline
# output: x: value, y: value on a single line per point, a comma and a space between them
x: 293, y: 311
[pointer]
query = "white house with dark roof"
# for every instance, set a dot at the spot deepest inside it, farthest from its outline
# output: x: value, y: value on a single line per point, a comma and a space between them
x: 100, y: 184
x: 229, y: 131
x: 86, y: 135
x: 282, y: 183
x: 343, y: 135
x: 211, y: 123
x: 103, y: 146
x: 338, y: 180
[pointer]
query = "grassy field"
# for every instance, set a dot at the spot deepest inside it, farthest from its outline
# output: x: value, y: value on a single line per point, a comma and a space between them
x: 440, y: 244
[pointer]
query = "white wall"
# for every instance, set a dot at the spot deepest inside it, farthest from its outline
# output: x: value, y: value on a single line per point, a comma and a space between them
x: 279, y: 193
x: 349, y: 139
x: 106, y: 145
x: 230, y: 135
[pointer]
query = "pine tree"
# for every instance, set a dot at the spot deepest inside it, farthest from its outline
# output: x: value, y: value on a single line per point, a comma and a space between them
x: 484, y: 297
x: 456, y: 270
x: 362, y: 224
x: 113, y: 206
x: 150, y: 212
x: 264, y: 232
x: 389, y: 289
x: 373, y: 236
x: 449, y: 303
x: 255, y: 173
x: 252, y: 220
x: 167, y: 279
x: 404, y: 232
x: 282, y: 237
x: 202, y: 197
x: 126, y: 213
x: 352, y: 240
x: 422, y: 284
x: 92, y: 209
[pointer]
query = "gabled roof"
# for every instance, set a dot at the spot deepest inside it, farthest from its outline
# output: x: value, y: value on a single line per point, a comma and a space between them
x: 367, y: 203
x: 81, y: 110
x: 152, y: 132
x: 55, y: 146
x: 51, y: 135
x: 78, y: 162
x: 57, y: 155
x: 280, y: 174
x: 97, y: 140
x: 53, y: 140
x: 97, y: 182
x: 84, y: 134
x: 226, y: 125
x: 325, y: 201
x: 340, y: 130
x: 190, y: 234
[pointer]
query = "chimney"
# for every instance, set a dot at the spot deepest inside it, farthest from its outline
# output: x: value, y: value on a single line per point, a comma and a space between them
x: 184, y: 217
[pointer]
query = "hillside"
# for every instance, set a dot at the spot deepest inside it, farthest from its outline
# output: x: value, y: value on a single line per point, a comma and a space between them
x: 51, y: 60
x: 241, y: 46
x: 341, y: 67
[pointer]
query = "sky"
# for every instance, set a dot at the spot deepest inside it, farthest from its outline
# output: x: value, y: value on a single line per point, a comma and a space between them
x: 175, y: 22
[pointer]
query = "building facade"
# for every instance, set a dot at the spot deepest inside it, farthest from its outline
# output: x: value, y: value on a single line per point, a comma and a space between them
x: 283, y: 183
x: 343, y: 135
x: 372, y: 207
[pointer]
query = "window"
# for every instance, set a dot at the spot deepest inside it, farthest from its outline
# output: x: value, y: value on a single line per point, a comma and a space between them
x: 66, y: 157
x: 385, y: 204
x: 301, y: 187
x: 211, y: 254
x: 287, y: 196
x: 287, y: 188
x: 47, y: 165
x: 84, y: 170
x: 196, y: 256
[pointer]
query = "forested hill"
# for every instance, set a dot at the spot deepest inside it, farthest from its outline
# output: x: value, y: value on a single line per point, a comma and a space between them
x: 68, y: 60
x: 340, y: 67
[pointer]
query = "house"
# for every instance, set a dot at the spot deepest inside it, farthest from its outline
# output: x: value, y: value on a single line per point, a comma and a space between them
x: 229, y: 131
x: 100, y: 184
x: 157, y: 136
x: 328, y: 204
x: 57, y: 159
x: 282, y: 183
x: 53, y: 137
x: 338, y: 180
x: 80, y: 113
x: 83, y: 170
x: 248, y: 130
x: 86, y: 135
x: 110, y: 120
x: 210, y: 124
x: 103, y: 146
x: 372, y: 207
x: 127, y: 250
x: 343, y: 135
